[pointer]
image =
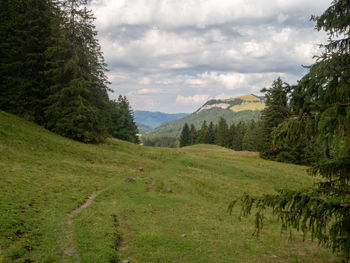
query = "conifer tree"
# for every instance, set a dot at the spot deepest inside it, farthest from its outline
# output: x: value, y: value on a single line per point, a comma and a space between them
x: 324, y: 113
x: 203, y: 134
x: 275, y: 112
x: 122, y: 121
x: 24, y: 33
x: 238, y: 137
x: 185, y: 137
x: 211, y: 133
x: 248, y: 140
x: 78, y: 106
x: 193, y: 134
x: 231, y: 134
x: 222, y: 134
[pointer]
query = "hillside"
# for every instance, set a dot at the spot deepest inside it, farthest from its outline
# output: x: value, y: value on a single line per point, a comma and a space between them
x: 147, y: 120
x: 65, y: 201
x: 234, y: 110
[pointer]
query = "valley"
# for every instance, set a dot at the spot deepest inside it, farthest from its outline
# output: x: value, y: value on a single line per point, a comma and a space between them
x: 158, y: 205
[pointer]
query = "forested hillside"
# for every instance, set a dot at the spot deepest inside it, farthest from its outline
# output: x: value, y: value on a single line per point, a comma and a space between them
x: 52, y: 71
x: 154, y: 119
x: 233, y: 110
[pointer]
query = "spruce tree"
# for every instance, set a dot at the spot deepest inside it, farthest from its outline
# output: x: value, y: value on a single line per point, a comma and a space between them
x: 24, y: 34
x: 203, y: 134
x: 185, y: 137
x: 222, y: 134
x: 193, y: 134
x: 238, y: 136
x: 275, y: 112
x: 248, y: 143
x: 78, y: 105
x: 231, y: 135
x: 122, y: 121
x: 211, y: 133
x: 324, y: 113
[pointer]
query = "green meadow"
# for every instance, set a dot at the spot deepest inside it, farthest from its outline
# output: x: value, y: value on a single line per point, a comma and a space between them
x: 174, y: 209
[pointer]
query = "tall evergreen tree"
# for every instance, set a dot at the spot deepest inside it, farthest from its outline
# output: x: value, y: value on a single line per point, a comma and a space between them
x: 248, y: 140
x: 222, y: 134
x: 238, y: 136
x: 203, y: 134
x: 78, y: 105
x: 193, y: 134
x: 324, y: 114
x: 211, y: 133
x: 185, y: 137
x: 122, y: 121
x: 275, y: 112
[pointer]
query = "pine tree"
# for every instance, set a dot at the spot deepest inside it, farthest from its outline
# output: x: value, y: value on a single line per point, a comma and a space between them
x: 78, y: 105
x: 185, y: 137
x: 122, y: 121
x: 324, y: 113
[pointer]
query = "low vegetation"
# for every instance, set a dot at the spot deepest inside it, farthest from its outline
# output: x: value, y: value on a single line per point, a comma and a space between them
x: 173, y: 210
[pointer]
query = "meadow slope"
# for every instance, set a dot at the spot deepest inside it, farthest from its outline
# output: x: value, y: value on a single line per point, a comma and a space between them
x: 174, y: 211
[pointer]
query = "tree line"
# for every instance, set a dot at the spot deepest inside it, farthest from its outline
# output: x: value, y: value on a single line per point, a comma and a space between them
x: 52, y: 71
x: 244, y: 136
x: 260, y: 136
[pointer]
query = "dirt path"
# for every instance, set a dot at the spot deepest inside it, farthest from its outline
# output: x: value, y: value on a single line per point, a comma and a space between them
x: 71, y: 249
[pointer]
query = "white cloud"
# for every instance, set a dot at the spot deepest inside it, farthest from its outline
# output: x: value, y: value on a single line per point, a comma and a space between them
x: 169, y: 55
x: 195, y: 100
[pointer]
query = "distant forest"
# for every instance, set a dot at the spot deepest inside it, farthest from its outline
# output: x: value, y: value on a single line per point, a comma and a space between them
x: 53, y: 71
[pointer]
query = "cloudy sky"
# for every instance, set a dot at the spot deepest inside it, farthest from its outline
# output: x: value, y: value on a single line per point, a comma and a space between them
x: 174, y: 55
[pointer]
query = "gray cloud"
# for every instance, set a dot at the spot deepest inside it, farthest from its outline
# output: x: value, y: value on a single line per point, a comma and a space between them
x: 174, y: 55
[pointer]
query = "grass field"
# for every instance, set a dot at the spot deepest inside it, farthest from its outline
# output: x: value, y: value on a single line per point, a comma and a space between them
x: 174, y: 211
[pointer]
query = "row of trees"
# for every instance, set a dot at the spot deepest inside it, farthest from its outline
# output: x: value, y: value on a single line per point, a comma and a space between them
x: 52, y: 70
x: 242, y: 136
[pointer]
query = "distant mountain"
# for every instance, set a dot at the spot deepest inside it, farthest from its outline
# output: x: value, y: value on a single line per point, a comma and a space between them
x: 147, y: 120
x: 242, y: 108
x: 143, y: 128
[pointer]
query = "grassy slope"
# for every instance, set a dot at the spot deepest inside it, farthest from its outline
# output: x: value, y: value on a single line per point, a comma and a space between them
x: 44, y: 176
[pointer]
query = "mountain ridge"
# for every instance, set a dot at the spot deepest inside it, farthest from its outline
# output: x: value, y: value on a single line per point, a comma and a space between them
x: 147, y: 120
x: 236, y: 109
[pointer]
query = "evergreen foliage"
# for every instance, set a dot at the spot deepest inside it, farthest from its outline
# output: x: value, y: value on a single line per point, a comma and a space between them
x: 203, y: 134
x: 78, y: 103
x: 122, y: 121
x: 320, y: 110
x: 193, y: 134
x: 185, y: 137
x: 276, y: 111
x: 237, y: 136
x: 211, y: 133
x: 245, y: 136
x: 52, y: 70
x: 24, y: 33
x: 222, y: 138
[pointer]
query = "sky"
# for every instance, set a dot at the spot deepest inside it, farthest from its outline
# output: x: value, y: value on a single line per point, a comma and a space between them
x: 174, y: 55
